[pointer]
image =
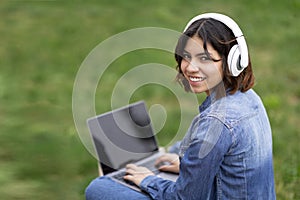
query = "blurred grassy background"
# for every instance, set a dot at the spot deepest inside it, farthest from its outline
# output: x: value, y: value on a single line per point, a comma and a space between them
x: 43, y: 44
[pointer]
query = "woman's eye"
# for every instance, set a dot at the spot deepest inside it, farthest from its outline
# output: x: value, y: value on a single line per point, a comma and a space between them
x: 186, y: 56
x: 204, y: 58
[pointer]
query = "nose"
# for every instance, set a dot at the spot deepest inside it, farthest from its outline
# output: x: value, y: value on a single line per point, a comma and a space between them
x: 193, y: 66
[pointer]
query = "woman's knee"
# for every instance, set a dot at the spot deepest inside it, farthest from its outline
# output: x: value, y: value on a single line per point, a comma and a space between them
x: 89, y: 191
x: 94, y: 190
x: 105, y: 188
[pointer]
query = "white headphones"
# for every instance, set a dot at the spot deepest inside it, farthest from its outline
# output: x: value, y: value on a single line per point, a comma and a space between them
x: 238, y: 55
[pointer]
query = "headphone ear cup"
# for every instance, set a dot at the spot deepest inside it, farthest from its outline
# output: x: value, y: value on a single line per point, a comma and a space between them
x: 233, y: 60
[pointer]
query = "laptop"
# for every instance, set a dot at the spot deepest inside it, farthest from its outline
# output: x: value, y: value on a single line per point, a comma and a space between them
x: 125, y: 135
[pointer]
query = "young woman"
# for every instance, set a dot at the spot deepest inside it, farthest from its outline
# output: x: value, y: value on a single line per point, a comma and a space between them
x: 227, y: 151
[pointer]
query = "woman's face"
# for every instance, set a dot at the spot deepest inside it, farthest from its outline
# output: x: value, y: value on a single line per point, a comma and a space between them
x: 201, y: 71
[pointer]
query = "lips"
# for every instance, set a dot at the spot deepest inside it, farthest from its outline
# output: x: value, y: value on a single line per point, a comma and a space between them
x: 196, y: 79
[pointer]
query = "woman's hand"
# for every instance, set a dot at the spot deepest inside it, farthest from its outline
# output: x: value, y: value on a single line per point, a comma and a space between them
x: 136, y: 174
x: 172, y: 160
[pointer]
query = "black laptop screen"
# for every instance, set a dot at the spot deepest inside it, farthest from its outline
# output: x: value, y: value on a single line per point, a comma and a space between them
x: 122, y: 136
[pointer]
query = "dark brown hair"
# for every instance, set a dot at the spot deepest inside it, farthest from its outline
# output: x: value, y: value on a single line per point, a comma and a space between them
x: 221, y: 38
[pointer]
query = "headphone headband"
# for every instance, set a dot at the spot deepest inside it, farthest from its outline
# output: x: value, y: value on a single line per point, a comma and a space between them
x: 230, y: 23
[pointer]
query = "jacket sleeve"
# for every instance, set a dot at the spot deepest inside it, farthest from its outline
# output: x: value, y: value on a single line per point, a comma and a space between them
x: 198, y: 166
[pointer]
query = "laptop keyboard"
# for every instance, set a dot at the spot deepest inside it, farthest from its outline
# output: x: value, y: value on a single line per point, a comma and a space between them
x: 149, y: 165
x: 119, y: 176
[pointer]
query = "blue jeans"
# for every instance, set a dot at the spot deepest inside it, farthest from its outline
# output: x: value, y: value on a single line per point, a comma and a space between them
x: 107, y: 189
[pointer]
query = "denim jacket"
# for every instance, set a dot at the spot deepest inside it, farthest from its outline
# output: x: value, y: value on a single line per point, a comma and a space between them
x: 226, y: 153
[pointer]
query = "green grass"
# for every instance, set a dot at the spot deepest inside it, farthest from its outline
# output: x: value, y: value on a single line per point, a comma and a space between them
x: 43, y: 44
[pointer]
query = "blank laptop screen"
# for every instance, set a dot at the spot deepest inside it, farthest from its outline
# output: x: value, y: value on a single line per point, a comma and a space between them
x: 123, y: 135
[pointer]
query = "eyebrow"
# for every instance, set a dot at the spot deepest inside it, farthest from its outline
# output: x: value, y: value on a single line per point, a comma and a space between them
x: 199, y: 54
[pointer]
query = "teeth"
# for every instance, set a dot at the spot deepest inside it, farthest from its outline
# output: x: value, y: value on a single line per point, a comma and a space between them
x: 195, y: 79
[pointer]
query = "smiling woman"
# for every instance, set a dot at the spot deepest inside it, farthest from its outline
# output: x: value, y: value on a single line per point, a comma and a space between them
x: 41, y: 54
x: 227, y: 151
x: 202, y: 70
x: 219, y: 43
